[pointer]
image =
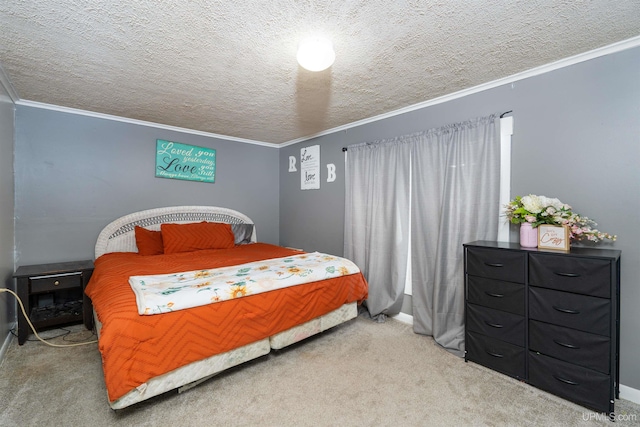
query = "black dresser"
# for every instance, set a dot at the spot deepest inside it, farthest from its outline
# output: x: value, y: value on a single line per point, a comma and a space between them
x: 548, y: 318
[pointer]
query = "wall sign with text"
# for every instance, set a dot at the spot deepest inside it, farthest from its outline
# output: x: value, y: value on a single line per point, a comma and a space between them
x: 187, y: 162
x: 310, y: 168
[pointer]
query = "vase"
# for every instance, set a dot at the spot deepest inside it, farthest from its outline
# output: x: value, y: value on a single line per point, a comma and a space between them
x: 528, y: 236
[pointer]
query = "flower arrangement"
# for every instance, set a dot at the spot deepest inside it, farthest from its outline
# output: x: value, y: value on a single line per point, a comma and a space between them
x: 538, y: 210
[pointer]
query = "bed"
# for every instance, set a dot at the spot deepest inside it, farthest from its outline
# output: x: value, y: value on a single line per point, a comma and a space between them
x: 147, y: 355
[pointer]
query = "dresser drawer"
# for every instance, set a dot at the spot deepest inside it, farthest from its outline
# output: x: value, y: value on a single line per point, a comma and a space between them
x: 581, y: 385
x: 589, y: 314
x: 577, y: 347
x: 54, y: 283
x: 571, y: 274
x: 505, y: 296
x: 495, y: 323
x: 495, y: 354
x: 496, y: 264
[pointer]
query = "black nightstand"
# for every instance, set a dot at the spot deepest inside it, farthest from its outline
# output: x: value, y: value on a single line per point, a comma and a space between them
x: 53, y: 294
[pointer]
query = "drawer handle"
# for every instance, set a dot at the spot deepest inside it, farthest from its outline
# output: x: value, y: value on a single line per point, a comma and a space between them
x: 494, y: 264
x: 494, y: 325
x: 490, y: 353
x: 566, y: 274
x: 56, y: 283
x: 562, y: 344
x: 566, y: 310
x: 566, y: 381
x: 491, y: 294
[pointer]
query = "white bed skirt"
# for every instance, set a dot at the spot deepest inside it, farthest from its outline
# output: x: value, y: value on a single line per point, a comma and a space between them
x: 196, y: 372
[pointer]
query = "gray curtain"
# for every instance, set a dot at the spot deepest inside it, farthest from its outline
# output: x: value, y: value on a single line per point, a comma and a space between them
x: 455, y: 199
x: 377, y: 220
x: 443, y: 185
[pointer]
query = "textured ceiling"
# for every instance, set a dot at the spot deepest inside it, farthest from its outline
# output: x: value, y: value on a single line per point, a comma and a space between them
x: 229, y: 68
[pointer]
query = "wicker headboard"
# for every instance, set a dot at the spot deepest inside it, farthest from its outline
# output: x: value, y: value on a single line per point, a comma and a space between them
x: 119, y: 236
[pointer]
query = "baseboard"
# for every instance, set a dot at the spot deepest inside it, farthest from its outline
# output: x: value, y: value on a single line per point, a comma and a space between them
x: 404, y: 318
x: 630, y: 394
x: 5, y: 344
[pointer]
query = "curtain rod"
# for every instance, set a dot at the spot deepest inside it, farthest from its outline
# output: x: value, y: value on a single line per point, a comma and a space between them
x: 501, y: 116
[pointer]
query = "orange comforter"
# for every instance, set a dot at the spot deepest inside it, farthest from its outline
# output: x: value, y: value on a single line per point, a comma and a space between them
x: 137, y: 348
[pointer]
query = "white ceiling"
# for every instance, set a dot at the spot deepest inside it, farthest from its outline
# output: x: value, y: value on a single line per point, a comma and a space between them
x: 229, y: 67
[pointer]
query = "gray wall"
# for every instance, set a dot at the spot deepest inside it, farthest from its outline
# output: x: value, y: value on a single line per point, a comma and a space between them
x: 75, y: 174
x: 576, y: 137
x: 7, y: 302
x: 313, y: 220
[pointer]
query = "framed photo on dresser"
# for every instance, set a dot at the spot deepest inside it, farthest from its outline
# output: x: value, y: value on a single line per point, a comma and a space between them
x: 553, y: 237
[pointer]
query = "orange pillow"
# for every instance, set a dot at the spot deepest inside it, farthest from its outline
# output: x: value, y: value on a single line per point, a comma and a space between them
x: 149, y: 242
x: 196, y: 236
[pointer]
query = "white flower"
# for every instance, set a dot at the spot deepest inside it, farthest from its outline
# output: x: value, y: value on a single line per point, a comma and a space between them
x: 532, y: 203
x: 548, y: 201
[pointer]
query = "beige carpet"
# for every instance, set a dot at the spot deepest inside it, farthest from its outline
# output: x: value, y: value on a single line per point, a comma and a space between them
x: 361, y: 373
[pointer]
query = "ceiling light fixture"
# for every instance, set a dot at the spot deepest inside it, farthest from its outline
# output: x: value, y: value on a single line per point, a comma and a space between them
x: 316, y: 54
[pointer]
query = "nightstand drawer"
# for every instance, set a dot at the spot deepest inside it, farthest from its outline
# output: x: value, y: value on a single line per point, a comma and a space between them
x: 577, y: 347
x: 495, y: 354
x: 571, y: 274
x: 589, y: 314
x: 495, y: 323
x: 581, y: 385
x: 496, y: 264
x: 505, y: 296
x: 53, y: 283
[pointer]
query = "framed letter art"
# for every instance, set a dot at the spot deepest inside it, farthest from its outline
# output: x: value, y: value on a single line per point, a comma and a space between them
x: 310, y: 168
x: 553, y: 237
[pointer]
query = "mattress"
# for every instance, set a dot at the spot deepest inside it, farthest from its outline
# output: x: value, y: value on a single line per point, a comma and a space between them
x: 136, y: 349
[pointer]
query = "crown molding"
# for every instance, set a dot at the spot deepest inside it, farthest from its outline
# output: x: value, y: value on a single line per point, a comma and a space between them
x: 566, y: 62
x: 562, y: 63
x: 69, y: 110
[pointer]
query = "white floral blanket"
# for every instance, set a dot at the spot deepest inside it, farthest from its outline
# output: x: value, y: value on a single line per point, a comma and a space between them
x: 163, y: 293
